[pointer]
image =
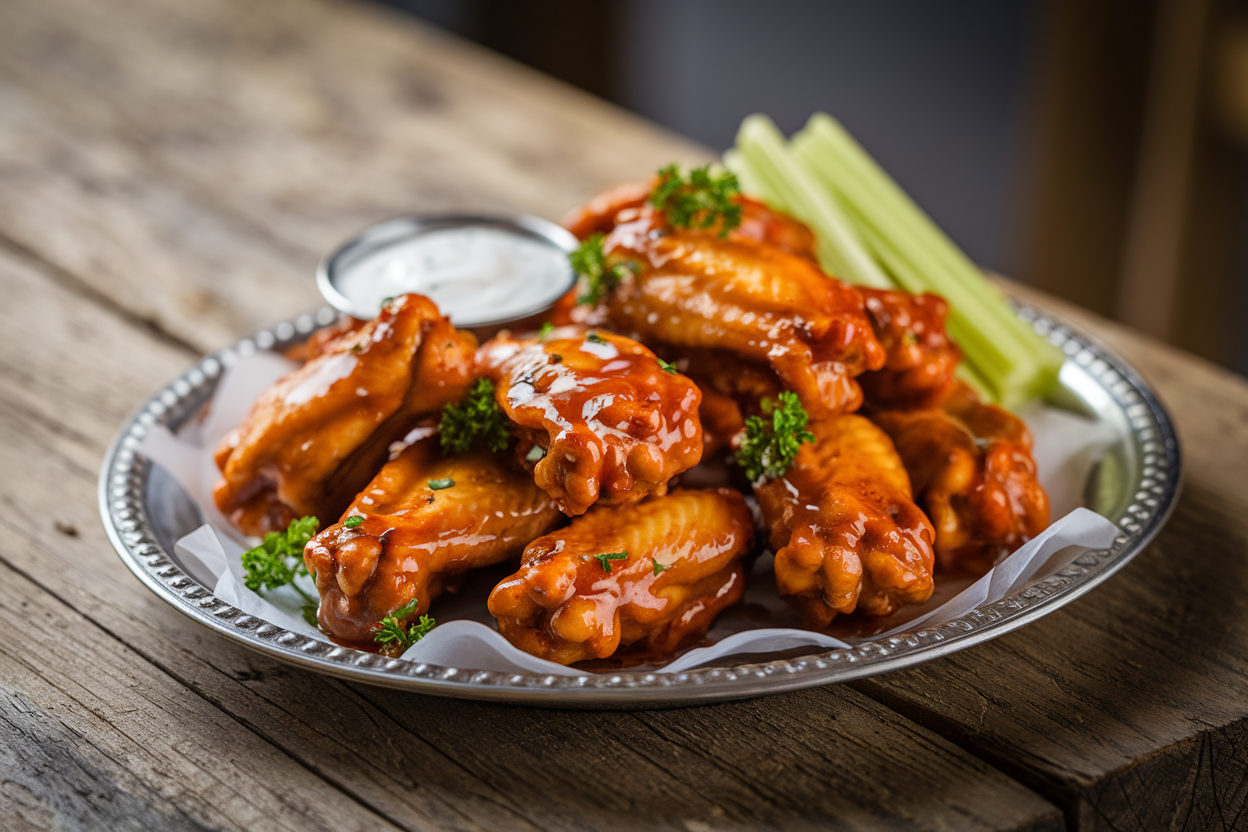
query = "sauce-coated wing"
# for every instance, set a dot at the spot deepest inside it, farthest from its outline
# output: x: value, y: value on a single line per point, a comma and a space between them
x: 921, y: 358
x: 414, y: 540
x: 695, y: 290
x: 971, y: 466
x: 846, y: 533
x: 681, y: 567
x: 316, y: 437
x: 614, y: 425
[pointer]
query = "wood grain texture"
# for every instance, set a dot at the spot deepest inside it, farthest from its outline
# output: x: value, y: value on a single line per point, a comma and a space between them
x: 1128, y: 707
x: 417, y: 762
x: 219, y: 149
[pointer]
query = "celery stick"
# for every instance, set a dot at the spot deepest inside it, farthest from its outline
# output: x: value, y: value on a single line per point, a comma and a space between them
x: 825, y: 140
x: 751, y: 183
x: 841, y: 252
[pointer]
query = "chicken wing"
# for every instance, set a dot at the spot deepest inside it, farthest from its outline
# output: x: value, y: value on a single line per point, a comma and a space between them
x: 613, y: 425
x: 426, y: 520
x: 846, y: 533
x: 921, y: 358
x: 316, y: 437
x: 652, y: 575
x: 693, y: 289
x: 971, y: 466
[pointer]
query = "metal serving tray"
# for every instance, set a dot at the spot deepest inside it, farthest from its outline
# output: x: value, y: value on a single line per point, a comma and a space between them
x: 1135, y: 484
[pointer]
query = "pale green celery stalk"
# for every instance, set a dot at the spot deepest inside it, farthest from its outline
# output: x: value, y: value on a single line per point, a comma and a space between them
x: 841, y: 252
x: 1006, y: 367
x: 751, y: 183
x: 825, y: 139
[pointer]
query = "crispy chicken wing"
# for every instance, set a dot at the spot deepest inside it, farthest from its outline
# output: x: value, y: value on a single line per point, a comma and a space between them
x: 921, y: 358
x: 695, y: 290
x: 846, y: 533
x: 614, y: 425
x: 415, y: 540
x: 972, y: 469
x: 652, y: 574
x: 732, y: 389
x: 316, y: 437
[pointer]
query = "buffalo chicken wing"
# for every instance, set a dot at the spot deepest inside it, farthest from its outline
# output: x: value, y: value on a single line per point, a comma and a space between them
x: 650, y: 575
x: 422, y: 523
x: 846, y: 533
x: 921, y: 358
x: 612, y: 424
x: 971, y: 466
x: 316, y: 437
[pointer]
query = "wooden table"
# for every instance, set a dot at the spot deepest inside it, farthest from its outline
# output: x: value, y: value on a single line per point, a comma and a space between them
x: 170, y: 173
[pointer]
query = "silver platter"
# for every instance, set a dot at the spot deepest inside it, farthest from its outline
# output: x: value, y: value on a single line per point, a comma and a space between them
x: 1135, y: 484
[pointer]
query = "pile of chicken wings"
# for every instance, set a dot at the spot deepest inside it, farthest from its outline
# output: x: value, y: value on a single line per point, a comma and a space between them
x: 904, y: 472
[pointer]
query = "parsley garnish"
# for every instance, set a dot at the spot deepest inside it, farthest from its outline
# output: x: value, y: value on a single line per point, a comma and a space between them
x: 438, y: 485
x: 660, y: 567
x: 279, y: 559
x: 769, y: 449
x: 544, y: 332
x: 700, y: 200
x: 477, y: 421
x: 394, y: 637
x: 556, y: 358
x: 535, y: 453
x: 610, y: 556
x: 590, y: 262
x: 670, y: 369
x: 386, y: 301
x: 595, y: 338
x: 353, y: 521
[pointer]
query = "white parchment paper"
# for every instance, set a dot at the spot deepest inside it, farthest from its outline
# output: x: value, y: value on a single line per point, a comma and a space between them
x: 1066, y: 446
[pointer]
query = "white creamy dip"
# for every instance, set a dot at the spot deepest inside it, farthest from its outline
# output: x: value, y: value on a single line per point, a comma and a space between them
x: 475, y: 274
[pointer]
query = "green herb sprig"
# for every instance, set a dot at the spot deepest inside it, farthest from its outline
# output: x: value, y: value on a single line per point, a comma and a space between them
x: 279, y: 559
x: 475, y: 422
x: 769, y: 449
x: 590, y: 262
x: 606, y: 559
x: 394, y: 637
x: 700, y: 199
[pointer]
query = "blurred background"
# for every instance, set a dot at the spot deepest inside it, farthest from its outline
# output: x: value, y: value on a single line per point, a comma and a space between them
x: 1092, y: 148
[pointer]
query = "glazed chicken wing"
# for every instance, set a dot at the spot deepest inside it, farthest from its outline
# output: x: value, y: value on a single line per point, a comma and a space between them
x: 415, y: 540
x: 652, y: 575
x: 921, y: 358
x: 846, y: 533
x: 316, y: 437
x: 696, y: 290
x: 614, y: 425
x: 972, y: 469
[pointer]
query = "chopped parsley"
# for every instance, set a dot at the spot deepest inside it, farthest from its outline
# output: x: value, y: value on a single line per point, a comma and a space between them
x: 438, y: 485
x: 394, y: 637
x: 660, y: 567
x: 544, y: 332
x: 670, y: 369
x: 590, y: 262
x: 535, y: 454
x: 353, y: 521
x: 699, y: 200
x: 279, y: 559
x: 595, y: 338
x: 769, y: 449
x: 477, y: 421
x: 556, y: 358
x: 606, y: 559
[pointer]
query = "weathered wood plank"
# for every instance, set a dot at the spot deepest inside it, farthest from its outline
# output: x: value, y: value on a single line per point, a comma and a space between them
x: 812, y: 759
x: 1128, y: 707
x: 195, y: 160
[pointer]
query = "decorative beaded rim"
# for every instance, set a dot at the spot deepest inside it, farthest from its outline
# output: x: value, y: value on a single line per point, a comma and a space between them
x: 1151, y: 491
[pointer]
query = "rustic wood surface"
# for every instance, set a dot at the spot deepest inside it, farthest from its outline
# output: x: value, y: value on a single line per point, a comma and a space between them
x: 169, y: 175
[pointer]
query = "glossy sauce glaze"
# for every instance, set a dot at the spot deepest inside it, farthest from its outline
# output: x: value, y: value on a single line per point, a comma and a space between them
x: 414, y: 540
x: 669, y: 565
x: 847, y: 534
x: 757, y: 300
x: 612, y: 425
x: 971, y: 466
x: 921, y: 359
x: 316, y: 437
